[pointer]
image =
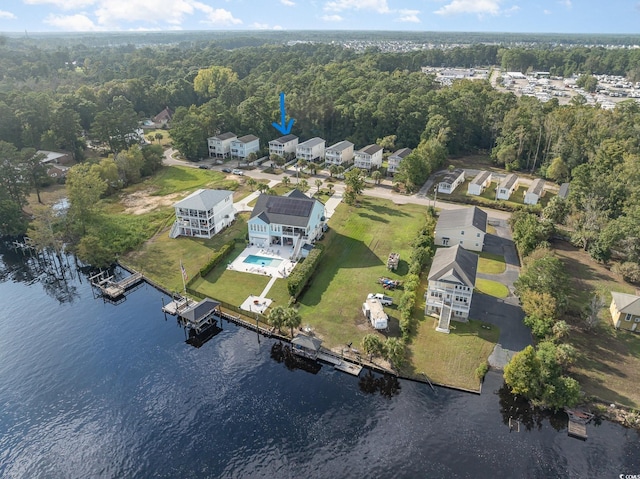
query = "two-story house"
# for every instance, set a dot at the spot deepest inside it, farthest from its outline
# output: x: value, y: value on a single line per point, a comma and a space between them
x: 480, y: 183
x: 339, y: 154
x: 464, y: 226
x: 625, y: 311
x: 285, y: 146
x: 535, y: 192
x: 311, y: 150
x: 396, y: 159
x: 507, y: 186
x: 451, y: 181
x: 245, y: 145
x: 368, y: 157
x: 220, y: 145
x: 293, y: 220
x: 452, y: 278
x: 203, y: 213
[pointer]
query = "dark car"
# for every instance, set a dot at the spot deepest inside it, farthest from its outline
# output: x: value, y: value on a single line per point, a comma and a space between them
x: 203, y: 167
x: 226, y: 170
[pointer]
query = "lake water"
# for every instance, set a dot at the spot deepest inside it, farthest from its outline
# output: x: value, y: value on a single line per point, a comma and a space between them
x: 94, y: 390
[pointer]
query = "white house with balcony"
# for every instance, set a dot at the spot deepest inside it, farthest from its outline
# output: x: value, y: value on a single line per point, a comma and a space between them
x: 480, y: 183
x: 203, y: 213
x: 535, y: 192
x: 396, y: 159
x: 368, y: 157
x: 507, y: 186
x: 339, y: 153
x: 245, y: 145
x: 311, y: 150
x: 285, y: 146
x: 464, y: 226
x: 290, y: 221
x: 220, y: 145
x: 451, y: 181
x: 452, y: 278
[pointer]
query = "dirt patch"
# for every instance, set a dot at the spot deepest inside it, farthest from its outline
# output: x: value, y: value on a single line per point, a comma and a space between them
x: 143, y: 201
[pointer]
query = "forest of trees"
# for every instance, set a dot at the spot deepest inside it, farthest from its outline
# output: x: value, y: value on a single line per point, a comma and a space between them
x: 61, y: 98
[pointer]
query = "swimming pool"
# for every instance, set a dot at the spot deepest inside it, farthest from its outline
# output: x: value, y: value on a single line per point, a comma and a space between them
x: 262, y: 261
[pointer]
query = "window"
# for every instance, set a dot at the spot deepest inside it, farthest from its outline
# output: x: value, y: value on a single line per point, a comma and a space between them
x: 477, y: 235
x: 445, y: 241
x: 462, y: 233
x: 638, y: 319
x: 628, y: 317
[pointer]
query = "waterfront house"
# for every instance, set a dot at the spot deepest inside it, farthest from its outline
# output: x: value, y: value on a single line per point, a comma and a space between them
x: 452, y: 278
x: 507, y: 186
x: 396, y: 159
x: 203, y: 213
x: 339, y: 153
x: 535, y: 192
x: 244, y: 146
x: 464, y: 226
x: 368, y: 157
x: 451, y: 181
x: 625, y: 311
x: 220, y: 145
x: 311, y: 150
x: 285, y: 146
x: 293, y: 220
x: 480, y: 183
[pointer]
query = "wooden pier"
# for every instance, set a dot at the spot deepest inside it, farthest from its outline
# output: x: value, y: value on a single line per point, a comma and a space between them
x: 111, y: 289
x: 578, y: 421
x: 178, y: 305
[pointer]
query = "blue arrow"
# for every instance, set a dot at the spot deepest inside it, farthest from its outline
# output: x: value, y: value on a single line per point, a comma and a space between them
x: 283, y: 127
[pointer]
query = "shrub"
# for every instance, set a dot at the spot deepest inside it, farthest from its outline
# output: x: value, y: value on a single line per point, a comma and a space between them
x: 221, y: 254
x: 482, y: 370
x: 629, y: 271
x: 301, y: 274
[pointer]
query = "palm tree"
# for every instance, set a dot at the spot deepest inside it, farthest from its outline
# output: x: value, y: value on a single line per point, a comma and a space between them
x: 286, y: 180
x: 395, y: 352
x: 333, y: 170
x: 276, y: 317
x: 159, y: 136
x: 340, y: 170
x: 372, y: 345
x: 292, y: 319
x: 377, y: 177
x: 303, y: 186
x: 262, y: 187
x: 330, y: 186
x: 318, y: 183
x: 252, y: 183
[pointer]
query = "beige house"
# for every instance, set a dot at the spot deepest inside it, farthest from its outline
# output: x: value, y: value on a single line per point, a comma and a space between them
x: 507, y: 186
x: 462, y: 226
x: 625, y: 311
x: 220, y: 145
x: 479, y: 183
x: 535, y: 192
x: 451, y: 181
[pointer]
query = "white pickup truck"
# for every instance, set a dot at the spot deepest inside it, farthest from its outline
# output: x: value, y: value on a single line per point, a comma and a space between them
x: 384, y: 300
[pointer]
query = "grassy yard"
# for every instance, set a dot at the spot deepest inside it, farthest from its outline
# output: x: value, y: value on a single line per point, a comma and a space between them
x: 166, y: 136
x: 490, y: 263
x: 452, y: 358
x: 175, y: 179
x: 492, y: 288
x: 608, y: 363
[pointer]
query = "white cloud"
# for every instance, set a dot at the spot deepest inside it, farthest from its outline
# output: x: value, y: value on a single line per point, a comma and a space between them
x: 332, y: 18
x: 379, y: 6
x: 408, y: 16
x: 288, y: 3
x: 566, y: 3
x: 222, y: 17
x: 479, y: 7
x: 260, y: 26
x: 72, y: 23
x: 277, y: 27
x: 62, y: 4
x: 6, y: 15
x: 546, y: 12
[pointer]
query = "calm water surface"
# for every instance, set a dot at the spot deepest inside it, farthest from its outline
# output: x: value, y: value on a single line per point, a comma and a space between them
x: 89, y: 389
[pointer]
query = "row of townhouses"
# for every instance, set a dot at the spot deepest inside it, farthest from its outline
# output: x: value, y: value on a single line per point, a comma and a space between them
x: 313, y: 150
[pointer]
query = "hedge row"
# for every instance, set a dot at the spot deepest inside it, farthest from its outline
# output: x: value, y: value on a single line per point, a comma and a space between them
x: 221, y: 254
x: 303, y: 271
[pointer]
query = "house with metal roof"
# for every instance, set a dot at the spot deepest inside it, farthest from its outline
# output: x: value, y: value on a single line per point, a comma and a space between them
x: 507, y: 186
x: 396, y: 159
x: 203, y: 213
x: 452, y: 278
x: 285, y: 146
x: 339, y: 153
x: 535, y: 192
x: 220, y: 145
x: 480, y: 183
x: 244, y: 146
x: 564, y: 190
x: 368, y: 157
x: 293, y: 220
x: 462, y: 226
x: 625, y: 311
x: 451, y: 181
x: 311, y: 150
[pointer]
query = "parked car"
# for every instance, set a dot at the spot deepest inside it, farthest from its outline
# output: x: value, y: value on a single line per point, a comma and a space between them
x: 384, y: 300
x: 238, y: 172
x: 203, y: 167
x: 226, y: 170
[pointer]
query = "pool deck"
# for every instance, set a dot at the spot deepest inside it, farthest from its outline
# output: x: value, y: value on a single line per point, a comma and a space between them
x: 280, y: 253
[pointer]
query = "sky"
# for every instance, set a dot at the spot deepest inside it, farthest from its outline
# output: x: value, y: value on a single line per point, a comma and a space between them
x: 557, y: 16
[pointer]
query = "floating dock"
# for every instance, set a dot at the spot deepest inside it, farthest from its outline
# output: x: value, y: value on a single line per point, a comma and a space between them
x: 578, y: 421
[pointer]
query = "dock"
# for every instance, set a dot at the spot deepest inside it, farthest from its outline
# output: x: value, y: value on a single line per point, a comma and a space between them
x: 111, y: 289
x: 177, y: 306
x: 578, y: 421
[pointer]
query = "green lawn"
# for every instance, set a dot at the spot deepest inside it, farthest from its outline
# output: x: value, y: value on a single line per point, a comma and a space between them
x: 166, y: 136
x: 174, y: 179
x: 452, y: 358
x: 490, y: 263
x: 492, y: 288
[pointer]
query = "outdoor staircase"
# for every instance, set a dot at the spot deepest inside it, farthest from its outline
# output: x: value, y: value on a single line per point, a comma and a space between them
x: 175, y: 231
x: 445, y: 318
x: 297, y: 248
